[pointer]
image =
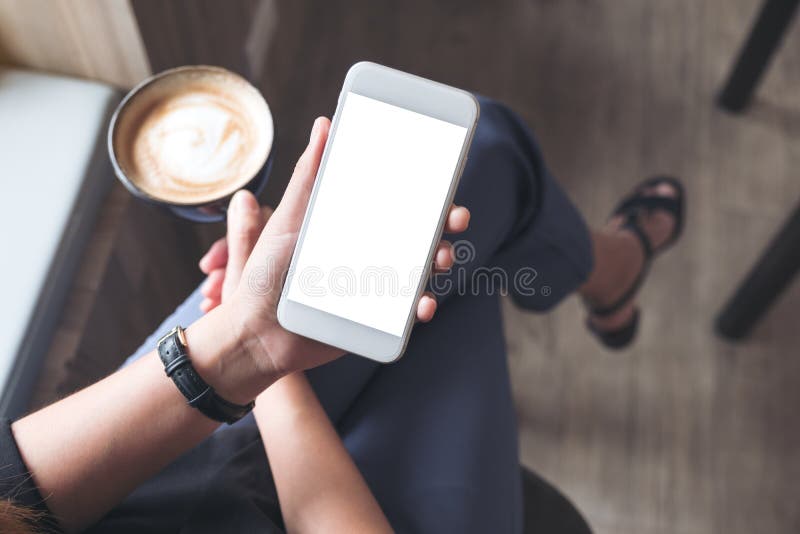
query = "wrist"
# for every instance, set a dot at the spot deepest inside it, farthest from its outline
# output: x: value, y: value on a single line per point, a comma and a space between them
x: 227, y: 358
x: 289, y: 398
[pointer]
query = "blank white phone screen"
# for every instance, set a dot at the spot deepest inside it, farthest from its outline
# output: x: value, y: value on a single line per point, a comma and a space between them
x: 377, y: 207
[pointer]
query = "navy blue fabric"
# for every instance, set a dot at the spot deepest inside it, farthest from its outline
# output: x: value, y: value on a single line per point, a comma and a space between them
x: 434, y: 434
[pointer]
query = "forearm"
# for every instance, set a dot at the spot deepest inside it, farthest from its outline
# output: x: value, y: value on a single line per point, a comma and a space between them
x: 320, y: 489
x: 91, y: 449
x: 88, y: 451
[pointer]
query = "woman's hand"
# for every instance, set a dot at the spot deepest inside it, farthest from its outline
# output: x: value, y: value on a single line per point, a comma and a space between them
x: 246, y: 269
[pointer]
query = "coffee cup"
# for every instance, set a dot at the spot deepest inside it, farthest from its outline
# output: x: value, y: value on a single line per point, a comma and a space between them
x: 188, y: 138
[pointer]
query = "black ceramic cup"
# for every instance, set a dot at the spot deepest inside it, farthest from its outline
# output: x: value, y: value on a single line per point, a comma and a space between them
x: 136, y: 105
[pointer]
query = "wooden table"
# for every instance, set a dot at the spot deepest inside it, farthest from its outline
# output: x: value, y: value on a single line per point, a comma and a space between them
x: 139, y: 264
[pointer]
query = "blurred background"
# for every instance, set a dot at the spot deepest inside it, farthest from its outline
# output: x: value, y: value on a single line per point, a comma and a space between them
x: 684, y: 433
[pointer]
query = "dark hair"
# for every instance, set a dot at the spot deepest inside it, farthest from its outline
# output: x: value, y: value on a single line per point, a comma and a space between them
x: 17, y: 519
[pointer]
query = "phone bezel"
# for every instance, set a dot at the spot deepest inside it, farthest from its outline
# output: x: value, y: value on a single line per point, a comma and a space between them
x: 416, y: 94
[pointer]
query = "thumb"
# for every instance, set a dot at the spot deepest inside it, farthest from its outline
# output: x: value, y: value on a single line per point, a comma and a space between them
x: 289, y: 214
x: 244, y: 226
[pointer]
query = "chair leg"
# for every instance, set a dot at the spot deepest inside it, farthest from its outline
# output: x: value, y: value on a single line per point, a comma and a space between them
x: 548, y: 510
x: 773, y: 272
x: 754, y: 57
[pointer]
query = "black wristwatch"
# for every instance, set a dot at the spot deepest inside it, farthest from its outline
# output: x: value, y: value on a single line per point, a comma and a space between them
x: 174, y: 355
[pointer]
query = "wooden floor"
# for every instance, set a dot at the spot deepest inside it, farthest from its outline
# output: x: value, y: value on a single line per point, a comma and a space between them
x: 684, y: 433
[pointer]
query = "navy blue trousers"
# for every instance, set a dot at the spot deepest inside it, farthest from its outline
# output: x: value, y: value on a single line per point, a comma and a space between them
x: 434, y: 434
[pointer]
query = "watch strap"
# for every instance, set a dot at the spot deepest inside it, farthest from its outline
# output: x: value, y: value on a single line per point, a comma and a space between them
x: 173, y: 352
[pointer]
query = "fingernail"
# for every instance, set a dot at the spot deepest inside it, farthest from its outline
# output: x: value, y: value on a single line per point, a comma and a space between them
x: 244, y: 202
x: 314, y: 130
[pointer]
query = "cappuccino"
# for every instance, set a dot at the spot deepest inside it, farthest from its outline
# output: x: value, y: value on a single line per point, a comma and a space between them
x: 192, y: 135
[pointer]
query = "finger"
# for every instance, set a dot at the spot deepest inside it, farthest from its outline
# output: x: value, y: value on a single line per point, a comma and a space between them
x: 244, y: 226
x: 212, y: 287
x: 266, y: 213
x: 426, y: 308
x: 207, y: 305
x: 289, y: 214
x: 457, y: 219
x: 216, y: 257
x: 443, y: 259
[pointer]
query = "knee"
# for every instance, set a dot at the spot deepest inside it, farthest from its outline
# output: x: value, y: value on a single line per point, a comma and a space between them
x: 494, y: 122
x: 497, y: 120
x: 492, y: 110
x: 501, y: 136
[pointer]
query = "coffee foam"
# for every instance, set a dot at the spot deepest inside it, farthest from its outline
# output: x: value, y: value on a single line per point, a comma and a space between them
x: 193, y: 135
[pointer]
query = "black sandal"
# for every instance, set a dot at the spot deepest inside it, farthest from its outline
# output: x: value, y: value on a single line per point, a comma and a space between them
x: 630, y: 208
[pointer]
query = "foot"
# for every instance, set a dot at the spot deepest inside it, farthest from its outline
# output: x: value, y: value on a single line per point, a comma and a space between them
x: 625, y: 259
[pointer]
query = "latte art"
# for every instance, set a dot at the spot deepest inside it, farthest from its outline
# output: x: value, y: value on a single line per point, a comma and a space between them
x: 194, y: 136
x: 192, y: 142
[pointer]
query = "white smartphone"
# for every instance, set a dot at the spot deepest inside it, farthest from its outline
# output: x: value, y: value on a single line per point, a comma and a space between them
x: 396, y: 149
